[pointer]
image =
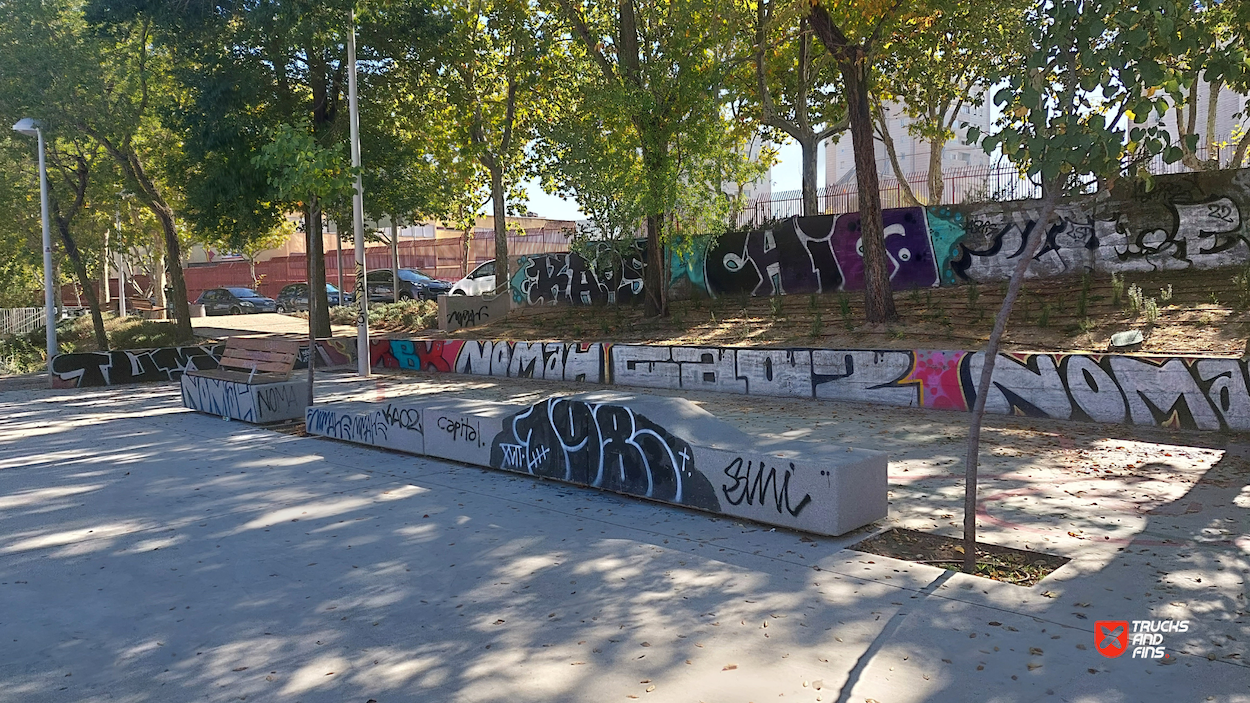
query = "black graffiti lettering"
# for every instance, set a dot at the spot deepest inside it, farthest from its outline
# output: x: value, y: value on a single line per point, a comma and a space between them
x: 83, y: 370
x: 752, y: 489
x: 467, y: 318
x: 606, y: 446
x: 458, y: 429
x: 403, y: 418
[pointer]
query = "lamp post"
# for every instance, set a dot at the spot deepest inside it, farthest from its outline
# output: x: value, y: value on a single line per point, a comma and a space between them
x: 33, y: 128
x: 358, y: 208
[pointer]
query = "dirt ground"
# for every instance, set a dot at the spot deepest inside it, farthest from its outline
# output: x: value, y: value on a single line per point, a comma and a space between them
x: 1206, y: 314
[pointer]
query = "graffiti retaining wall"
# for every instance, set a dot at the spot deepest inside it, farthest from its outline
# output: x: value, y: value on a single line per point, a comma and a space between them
x: 1188, y: 220
x: 1203, y: 393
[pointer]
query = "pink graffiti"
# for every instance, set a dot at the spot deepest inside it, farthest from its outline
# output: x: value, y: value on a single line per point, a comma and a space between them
x: 937, y: 374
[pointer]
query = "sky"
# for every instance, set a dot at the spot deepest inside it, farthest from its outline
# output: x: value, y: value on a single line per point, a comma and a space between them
x: 786, y: 176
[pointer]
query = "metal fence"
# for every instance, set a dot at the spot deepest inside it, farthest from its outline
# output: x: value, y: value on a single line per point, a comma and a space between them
x: 442, y: 258
x: 969, y: 184
x: 959, y: 185
x: 20, y: 320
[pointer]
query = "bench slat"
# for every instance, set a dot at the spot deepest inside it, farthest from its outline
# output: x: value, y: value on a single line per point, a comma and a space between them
x: 258, y: 365
x: 278, y: 357
x: 268, y: 358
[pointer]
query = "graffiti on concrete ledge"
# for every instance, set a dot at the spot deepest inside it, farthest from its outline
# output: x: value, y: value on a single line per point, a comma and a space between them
x: 1204, y: 393
x: 603, y: 445
x: 84, y: 369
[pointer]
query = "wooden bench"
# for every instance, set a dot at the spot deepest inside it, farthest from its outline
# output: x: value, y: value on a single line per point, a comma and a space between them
x: 255, y: 360
x: 252, y: 382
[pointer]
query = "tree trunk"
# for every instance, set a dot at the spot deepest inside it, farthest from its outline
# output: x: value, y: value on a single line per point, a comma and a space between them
x: 909, y: 196
x: 502, y: 274
x: 317, y: 298
x: 84, y: 281
x: 1036, y: 236
x: 395, y: 255
x: 1213, y: 105
x: 811, y: 154
x: 937, y: 184
x: 1239, y: 156
x: 158, y: 282
x: 879, y: 297
x: 653, y: 283
x: 466, y: 247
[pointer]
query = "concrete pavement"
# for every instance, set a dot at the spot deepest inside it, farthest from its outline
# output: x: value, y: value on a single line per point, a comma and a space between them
x: 151, y: 554
x: 222, y: 326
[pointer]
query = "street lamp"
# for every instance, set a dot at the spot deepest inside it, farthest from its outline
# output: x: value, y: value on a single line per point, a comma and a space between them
x: 358, y: 207
x: 32, y: 128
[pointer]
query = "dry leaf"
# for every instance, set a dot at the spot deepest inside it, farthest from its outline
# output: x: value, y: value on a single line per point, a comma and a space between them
x: 730, y: 667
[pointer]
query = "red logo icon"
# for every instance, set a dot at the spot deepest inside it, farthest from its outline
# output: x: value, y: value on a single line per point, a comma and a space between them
x: 1111, y: 637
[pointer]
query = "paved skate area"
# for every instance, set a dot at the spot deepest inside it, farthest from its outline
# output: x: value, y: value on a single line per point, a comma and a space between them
x: 148, y: 553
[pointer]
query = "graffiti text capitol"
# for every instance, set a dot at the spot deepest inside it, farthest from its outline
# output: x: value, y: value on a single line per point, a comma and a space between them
x: 1192, y: 392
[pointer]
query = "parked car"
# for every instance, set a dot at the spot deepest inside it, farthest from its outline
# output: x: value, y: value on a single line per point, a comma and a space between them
x: 413, y: 284
x: 295, y: 297
x: 480, y: 281
x: 234, y: 301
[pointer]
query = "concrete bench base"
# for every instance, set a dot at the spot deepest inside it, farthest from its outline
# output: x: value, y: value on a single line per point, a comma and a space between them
x: 259, y: 403
x: 662, y: 449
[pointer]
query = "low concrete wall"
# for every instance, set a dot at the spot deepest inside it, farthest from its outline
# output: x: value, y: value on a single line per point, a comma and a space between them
x: 661, y: 449
x: 1206, y: 393
x: 261, y: 403
x: 460, y: 311
x: 113, y: 368
x: 396, y: 426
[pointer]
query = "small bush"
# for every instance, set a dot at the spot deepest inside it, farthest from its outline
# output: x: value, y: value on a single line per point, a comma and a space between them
x: 1165, y: 294
x: 1082, y: 301
x: 404, y: 315
x: 1241, y: 288
x: 1043, y: 320
x: 22, y: 354
x: 844, y: 304
x: 1151, y: 310
x: 974, y: 293
x: 775, y: 304
x: 342, y: 314
x: 1134, y: 298
x: 1117, y: 288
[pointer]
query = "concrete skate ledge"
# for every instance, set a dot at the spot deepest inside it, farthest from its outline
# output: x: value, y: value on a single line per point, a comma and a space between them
x: 655, y: 448
x: 259, y: 403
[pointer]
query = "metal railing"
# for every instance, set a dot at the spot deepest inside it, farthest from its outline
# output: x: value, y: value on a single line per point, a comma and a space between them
x: 968, y: 184
x: 959, y: 185
x: 15, y: 321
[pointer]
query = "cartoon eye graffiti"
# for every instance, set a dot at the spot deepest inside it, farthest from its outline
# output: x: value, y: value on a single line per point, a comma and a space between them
x: 859, y: 246
x: 733, y: 262
x: 904, y: 254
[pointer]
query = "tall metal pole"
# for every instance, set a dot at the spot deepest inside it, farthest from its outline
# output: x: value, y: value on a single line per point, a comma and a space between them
x: 48, y: 280
x: 358, y: 207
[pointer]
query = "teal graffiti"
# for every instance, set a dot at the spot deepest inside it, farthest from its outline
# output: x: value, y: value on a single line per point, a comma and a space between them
x: 519, y: 281
x: 946, y: 229
x: 689, y: 265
